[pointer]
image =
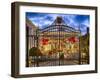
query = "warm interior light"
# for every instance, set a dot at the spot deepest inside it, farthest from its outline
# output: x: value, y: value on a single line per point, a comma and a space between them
x: 47, y: 47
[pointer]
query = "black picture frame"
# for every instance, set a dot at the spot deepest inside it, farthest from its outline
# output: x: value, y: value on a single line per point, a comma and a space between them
x: 15, y: 67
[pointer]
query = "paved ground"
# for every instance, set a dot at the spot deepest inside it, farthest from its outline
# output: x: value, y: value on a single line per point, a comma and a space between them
x: 57, y: 63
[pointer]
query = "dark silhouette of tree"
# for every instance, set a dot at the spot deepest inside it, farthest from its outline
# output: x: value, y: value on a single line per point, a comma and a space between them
x: 84, y: 46
x: 61, y: 56
x: 35, y: 52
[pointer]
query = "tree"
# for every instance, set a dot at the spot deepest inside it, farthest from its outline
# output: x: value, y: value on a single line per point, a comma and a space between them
x: 84, y: 45
x: 61, y: 56
x: 35, y: 52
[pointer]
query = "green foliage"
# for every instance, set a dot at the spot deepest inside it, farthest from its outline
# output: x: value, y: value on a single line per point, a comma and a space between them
x: 61, y: 56
x: 84, y: 44
x: 34, y: 51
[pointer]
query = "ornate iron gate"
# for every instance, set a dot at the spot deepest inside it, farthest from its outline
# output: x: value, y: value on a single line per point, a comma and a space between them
x: 57, y: 44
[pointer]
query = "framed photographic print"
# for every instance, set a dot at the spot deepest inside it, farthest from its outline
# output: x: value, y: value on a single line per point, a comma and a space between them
x: 53, y: 39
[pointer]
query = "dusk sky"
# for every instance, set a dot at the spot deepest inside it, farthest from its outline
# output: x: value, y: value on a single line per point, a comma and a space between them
x: 45, y: 19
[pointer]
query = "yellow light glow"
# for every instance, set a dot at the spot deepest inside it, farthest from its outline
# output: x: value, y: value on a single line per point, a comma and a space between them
x: 47, y: 47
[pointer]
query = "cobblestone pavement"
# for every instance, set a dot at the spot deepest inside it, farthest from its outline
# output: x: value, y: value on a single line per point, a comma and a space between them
x: 58, y: 62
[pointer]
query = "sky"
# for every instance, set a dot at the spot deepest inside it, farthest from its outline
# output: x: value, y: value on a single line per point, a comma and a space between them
x: 73, y: 20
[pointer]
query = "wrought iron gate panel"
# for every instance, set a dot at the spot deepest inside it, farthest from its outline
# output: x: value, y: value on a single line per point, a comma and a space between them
x: 54, y: 45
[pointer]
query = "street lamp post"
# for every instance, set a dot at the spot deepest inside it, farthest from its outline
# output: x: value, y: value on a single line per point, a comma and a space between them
x: 27, y: 42
x: 79, y: 45
x: 37, y: 37
x: 59, y: 45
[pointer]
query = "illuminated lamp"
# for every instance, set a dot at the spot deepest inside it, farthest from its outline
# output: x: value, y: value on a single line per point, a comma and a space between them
x: 73, y: 39
x: 45, y: 41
